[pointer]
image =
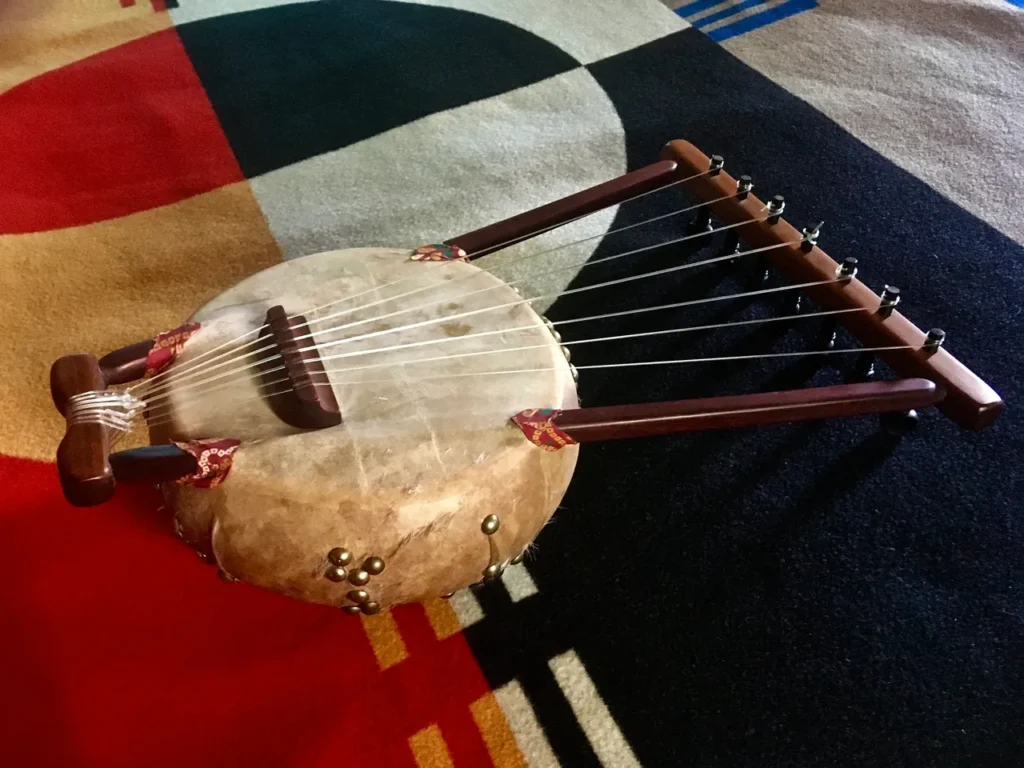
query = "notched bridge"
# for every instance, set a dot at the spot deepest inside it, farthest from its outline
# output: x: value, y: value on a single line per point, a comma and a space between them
x: 296, y: 384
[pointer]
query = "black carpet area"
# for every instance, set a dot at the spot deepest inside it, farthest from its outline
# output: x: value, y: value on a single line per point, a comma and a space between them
x: 806, y: 595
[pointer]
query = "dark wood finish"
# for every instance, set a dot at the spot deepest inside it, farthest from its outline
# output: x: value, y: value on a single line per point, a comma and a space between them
x: 152, y: 464
x: 526, y: 225
x: 82, y: 456
x: 304, y: 406
x: 125, y: 364
x: 969, y: 401
x: 644, y: 420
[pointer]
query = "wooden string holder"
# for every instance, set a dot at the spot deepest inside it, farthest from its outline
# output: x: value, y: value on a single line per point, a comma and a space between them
x: 930, y: 377
x: 959, y: 393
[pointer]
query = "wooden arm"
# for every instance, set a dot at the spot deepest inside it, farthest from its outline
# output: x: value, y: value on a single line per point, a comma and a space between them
x: 969, y: 401
x: 83, y: 455
x: 644, y: 420
x: 152, y: 464
x: 126, y: 364
x: 480, y: 242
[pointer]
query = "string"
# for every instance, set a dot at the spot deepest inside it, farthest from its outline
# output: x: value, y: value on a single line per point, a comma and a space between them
x: 470, y: 313
x: 600, y: 366
x: 684, y: 329
x: 191, y: 364
x: 516, y: 240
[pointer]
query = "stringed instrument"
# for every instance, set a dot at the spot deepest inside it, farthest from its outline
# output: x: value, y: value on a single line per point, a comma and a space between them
x: 374, y: 426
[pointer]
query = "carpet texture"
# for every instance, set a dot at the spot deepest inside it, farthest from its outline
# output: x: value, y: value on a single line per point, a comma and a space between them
x: 819, y: 594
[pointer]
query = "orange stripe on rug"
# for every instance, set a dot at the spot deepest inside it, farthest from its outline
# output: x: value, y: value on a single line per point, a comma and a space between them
x: 498, y: 736
x: 442, y: 618
x: 429, y: 748
x: 388, y: 646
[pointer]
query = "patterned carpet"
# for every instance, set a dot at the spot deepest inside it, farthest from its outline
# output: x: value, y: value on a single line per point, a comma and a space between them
x: 808, y: 595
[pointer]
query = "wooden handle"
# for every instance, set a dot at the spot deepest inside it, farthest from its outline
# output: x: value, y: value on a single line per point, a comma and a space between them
x: 644, y: 420
x: 83, y: 455
x: 526, y: 225
x: 969, y: 401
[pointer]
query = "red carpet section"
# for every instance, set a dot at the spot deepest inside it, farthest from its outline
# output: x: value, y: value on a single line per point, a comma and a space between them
x: 122, y: 131
x: 127, y: 651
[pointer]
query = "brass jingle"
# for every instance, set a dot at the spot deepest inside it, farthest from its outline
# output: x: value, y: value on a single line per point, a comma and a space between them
x: 492, y: 573
x: 350, y: 608
x: 358, y: 578
x: 336, y: 573
x: 519, y: 558
x: 339, y: 556
x: 370, y: 608
x: 358, y: 596
x: 490, y: 525
x: 373, y: 565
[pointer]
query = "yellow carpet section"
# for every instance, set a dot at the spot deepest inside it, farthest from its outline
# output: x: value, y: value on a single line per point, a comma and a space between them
x: 442, y: 618
x: 382, y: 632
x: 498, y: 736
x: 99, y: 287
x: 429, y: 749
x: 40, y: 35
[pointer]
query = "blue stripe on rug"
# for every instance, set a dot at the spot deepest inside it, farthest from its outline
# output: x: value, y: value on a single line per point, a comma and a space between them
x: 696, y: 7
x: 762, y: 19
x: 726, y: 13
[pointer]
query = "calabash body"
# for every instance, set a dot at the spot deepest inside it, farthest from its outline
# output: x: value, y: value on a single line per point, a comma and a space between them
x: 426, y: 452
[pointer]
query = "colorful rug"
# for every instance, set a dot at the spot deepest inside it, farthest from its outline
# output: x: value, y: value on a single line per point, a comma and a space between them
x: 800, y: 595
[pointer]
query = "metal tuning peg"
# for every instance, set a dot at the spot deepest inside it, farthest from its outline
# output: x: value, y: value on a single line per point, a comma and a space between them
x: 847, y: 270
x: 775, y: 208
x: 811, y: 235
x: 864, y: 367
x: 731, y: 240
x: 701, y: 221
x: 743, y: 186
x: 899, y: 423
x: 730, y: 245
x: 935, y: 338
x: 829, y: 330
x: 890, y: 298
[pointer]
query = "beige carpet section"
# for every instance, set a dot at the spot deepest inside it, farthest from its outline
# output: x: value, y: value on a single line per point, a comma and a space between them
x: 99, y: 287
x: 486, y: 161
x: 197, y: 10
x: 936, y: 86
x: 589, y: 30
x: 39, y: 35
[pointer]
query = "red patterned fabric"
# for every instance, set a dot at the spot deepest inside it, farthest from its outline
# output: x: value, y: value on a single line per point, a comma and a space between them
x: 166, y: 347
x: 538, y: 426
x: 213, y: 457
x: 439, y: 252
